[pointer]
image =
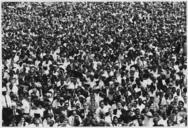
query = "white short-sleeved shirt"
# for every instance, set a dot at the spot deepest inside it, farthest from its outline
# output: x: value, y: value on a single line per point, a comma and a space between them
x: 163, y: 122
x: 141, y: 107
x: 6, y: 101
x: 103, y: 110
x: 72, y: 85
x: 15, y: 89
x: 40, y: 111
x: 16, y: 58
x: 6, y: 75
x: 176, y: 67
x: 26, y: 106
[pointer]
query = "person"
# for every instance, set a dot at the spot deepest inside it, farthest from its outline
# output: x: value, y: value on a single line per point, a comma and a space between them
x: 156, y: 121
x: 36, y: 123
x: 94, y: 64
x: 115, y: 122
x: 119, y: 110
x: 109, y: 116
x: 48, y: 121
x: 83, y: 112
x: 101, y: 110
x: 25, y: 105
x: 7, y: 107
x: 22, y: 122
x: 75, y: 119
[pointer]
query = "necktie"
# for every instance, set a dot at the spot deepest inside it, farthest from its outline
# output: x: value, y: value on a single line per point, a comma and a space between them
x: 6, y: 102
x: 14, y: 112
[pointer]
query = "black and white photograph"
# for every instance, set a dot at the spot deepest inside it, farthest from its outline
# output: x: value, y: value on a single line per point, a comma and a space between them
x: 94, y: 64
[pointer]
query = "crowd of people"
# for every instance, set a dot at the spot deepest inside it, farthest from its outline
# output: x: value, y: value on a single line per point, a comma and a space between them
x: 94, y: 64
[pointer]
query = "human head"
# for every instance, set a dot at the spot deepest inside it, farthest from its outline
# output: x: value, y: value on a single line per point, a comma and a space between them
x: 102, y: 104
x: 115, y: 120
x: 119, y: 105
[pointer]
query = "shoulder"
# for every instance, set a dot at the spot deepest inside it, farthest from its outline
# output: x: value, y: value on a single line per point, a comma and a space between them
x: 123, y: 110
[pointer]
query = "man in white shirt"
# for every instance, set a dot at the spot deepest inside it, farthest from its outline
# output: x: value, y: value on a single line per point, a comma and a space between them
x: 140, y: 104
x: 40, y: 111
x: 163, y: 121
x: 148, y: 121
x: 48, y: 121
x: 37, y: 123
x: 26, y: 106
x: 73, y: 84
x: 6, y: 100
x: 109, y: 116
x: 102, y: 109
x: 73, y: 118
x: 7, y: 105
